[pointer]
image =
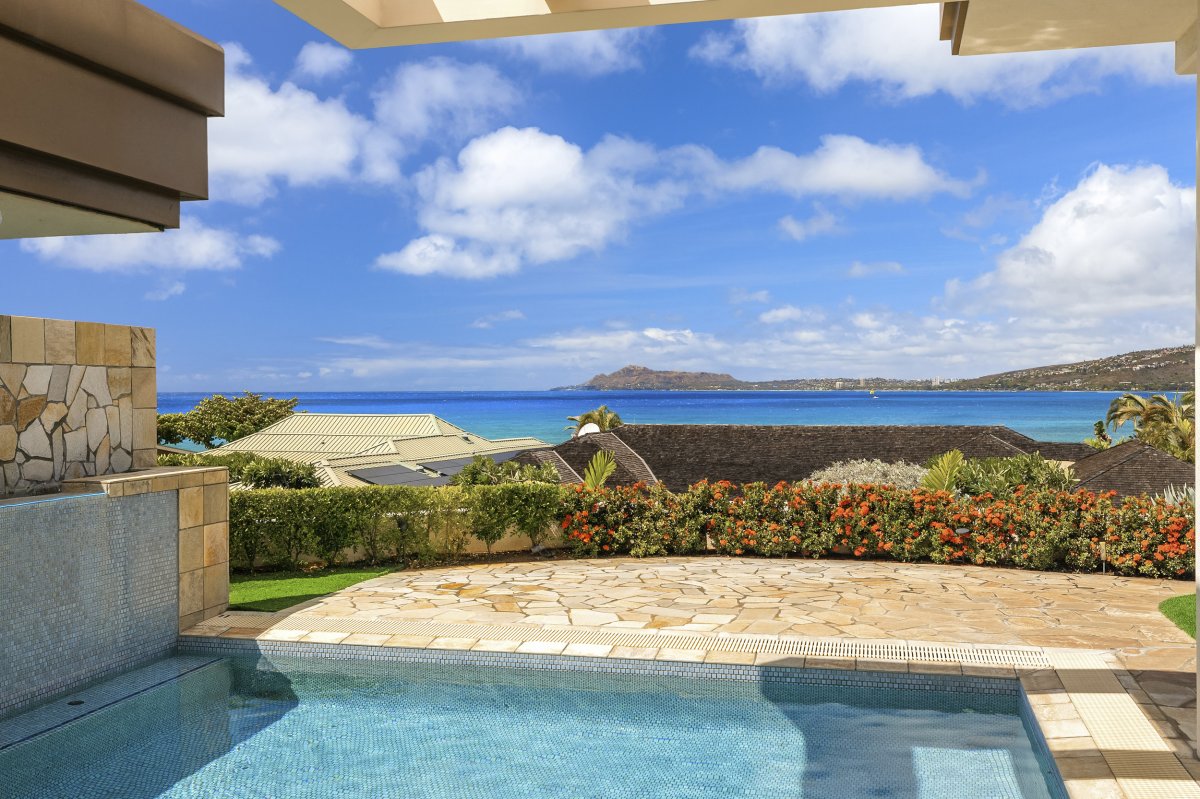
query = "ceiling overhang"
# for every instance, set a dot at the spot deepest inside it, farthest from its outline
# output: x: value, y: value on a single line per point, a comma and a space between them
x: 112, y: 133
x: 977, y: 27
x: 388, y: 23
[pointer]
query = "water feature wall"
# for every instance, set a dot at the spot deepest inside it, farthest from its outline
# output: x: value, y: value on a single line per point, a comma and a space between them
x: 91, y: 590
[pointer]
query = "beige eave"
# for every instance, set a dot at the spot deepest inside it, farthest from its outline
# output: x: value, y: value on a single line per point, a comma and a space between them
x: 975, y: 27
x: 112, y: 133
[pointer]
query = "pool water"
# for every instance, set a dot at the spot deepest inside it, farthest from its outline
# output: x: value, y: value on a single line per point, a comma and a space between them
x: 246, y: 728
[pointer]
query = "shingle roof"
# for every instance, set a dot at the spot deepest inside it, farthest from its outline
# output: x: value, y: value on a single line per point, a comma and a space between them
x: 679, y: 455
x: 1133, y: 468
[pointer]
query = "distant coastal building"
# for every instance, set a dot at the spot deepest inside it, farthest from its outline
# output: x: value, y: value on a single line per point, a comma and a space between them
x: 350, y: 449
x: 678, y: 455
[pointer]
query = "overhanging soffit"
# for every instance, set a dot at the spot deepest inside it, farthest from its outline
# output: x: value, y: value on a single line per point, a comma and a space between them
x: 976, y: 27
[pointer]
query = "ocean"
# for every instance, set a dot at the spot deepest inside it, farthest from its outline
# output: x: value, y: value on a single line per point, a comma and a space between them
x: 1043, y: 415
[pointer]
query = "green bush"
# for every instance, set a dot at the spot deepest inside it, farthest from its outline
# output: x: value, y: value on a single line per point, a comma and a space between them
x: 253, y: 470
x: 1046, y: 528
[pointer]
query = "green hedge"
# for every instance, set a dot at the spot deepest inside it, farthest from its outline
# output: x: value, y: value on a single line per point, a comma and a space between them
x: 283, y: 527
x: 1030, y: 529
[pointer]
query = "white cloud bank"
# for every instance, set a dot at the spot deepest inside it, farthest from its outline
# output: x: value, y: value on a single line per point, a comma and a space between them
x: 517, y: 197
x: 289, y: 135
x: 194, y: 246
x: 1121, y: 242
x: 897, y: 51
x: 587, y: 53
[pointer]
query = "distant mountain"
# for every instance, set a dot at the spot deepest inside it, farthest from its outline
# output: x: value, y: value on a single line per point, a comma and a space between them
x: 1169, y: 369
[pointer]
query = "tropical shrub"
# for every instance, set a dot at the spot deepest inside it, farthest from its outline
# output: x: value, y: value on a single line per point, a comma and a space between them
x: 219, y: 418
x: 871, y: 472
x: 1045, y: 528
x: 599, y: 469
x: 482, y: 470
x: 1165, y: 423
x: 974, y: 476
x: 253, y: 470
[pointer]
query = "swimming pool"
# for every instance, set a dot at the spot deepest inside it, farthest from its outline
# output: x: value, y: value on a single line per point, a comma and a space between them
x: 250, y: 727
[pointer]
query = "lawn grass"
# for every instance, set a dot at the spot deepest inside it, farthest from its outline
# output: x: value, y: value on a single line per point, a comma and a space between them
x: 1182, y: 611
x: 279, y: 590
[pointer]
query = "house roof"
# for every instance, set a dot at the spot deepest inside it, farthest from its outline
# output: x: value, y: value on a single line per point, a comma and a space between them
x: 1132, y: 468
x: 679, y: 455
x: 339, y: 444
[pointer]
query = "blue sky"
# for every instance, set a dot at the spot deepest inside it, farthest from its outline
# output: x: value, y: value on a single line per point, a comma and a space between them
x: 795, y: 196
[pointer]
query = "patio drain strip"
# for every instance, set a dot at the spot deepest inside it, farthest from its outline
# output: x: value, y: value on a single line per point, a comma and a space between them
x: 834, y: 648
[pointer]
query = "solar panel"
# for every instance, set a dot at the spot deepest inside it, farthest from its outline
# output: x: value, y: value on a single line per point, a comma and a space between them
x: 452, y: 466
x: 396, y: 475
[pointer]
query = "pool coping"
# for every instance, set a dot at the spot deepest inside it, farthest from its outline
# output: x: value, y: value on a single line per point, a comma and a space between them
x: 1102, y: 743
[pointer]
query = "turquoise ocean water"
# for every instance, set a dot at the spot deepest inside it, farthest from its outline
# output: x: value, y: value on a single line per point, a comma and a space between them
x: 1044, y: 415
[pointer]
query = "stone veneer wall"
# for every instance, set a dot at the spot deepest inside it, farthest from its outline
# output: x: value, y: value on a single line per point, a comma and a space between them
x: 76, y: 399
x: 90, y: 590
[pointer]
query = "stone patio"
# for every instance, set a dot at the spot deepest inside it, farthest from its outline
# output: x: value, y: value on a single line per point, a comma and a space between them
x: 539, y: 606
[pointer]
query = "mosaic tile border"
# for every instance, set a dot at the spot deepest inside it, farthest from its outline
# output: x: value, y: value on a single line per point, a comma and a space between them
x: 607, y: 665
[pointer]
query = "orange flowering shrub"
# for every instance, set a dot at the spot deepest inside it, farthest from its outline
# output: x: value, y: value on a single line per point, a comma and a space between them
x: 1042, y: 529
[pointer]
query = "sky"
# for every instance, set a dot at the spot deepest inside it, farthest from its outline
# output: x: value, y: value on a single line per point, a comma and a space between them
x: 817, y: 195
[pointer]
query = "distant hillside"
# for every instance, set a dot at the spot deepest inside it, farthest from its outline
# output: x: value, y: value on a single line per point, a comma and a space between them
x: 1170, y: 369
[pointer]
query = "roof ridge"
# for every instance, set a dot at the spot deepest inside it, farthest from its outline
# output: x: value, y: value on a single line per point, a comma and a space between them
x: 627, y: 450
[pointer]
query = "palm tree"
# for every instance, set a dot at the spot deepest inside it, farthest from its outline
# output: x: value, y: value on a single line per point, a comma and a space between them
x: 602, y: 417
x: 1165, y: 423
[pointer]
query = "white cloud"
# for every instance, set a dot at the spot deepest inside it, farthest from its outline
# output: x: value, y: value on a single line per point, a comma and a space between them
x: 588, y: 53
x: 861, y: 269
x: 491, y: 320
x: 897, y: 50
x: 289, y: 135
x: 517, y: 197
x: 166, y: 291
x: 285, y: 135
x: 842, y: 166
x: 790, y: 313
x: 194, y: 246
x: 370, y: 341
x: 320, y: 60
x: 740, y: 296
x: 821, y: 222
x: 1122, y: 242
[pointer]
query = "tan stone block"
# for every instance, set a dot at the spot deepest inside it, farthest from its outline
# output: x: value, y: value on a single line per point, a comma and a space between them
x: 8, y: 408
x: 191, y: 507
x: 143, y: 346
x: 145, y: 458
x: 118, y: 350
x: 191, y: 592
x: 28, y: 339
x: 5, y: 338
x: 12, y: 376
x: 89, y: 343
x: 191, y: 620
x: 28, y: 410
x: 60, y: 341
x: 216, y: 543
x: 145, y: 388
x: 216, y: 586
x: 218, y: 475
x: 191, y: 549
x: 120, y: 381
x: 216, y: 503
x: 8, y: 442
x: 145, y: 428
